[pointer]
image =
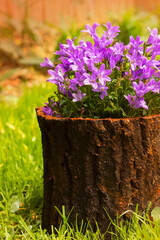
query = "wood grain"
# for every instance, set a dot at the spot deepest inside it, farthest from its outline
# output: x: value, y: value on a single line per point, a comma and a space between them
x: 60, y: 12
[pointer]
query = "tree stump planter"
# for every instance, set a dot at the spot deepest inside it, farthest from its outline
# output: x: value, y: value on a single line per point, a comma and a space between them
x: 94, y: 164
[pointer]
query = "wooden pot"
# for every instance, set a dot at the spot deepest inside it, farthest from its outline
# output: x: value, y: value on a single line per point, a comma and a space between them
x: 97, y: 164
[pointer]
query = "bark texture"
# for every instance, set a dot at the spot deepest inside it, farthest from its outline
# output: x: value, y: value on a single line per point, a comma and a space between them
x: 92, y: 165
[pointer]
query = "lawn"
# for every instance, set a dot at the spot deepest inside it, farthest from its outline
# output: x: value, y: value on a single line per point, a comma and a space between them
x: 21, y: 167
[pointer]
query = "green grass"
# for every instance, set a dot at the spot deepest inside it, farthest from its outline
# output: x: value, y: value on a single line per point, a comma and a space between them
x: 21, y: 180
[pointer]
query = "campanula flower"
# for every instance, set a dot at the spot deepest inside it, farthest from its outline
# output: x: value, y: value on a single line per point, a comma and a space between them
x: 135, y: 102
x: 78, y: 96
x: 111, y: 32
x: 56, y: 76
x: 47, y: 63
x: 154, y: 37
x: 141, y: 89
x: 92, y: 31
x: 103, y: 76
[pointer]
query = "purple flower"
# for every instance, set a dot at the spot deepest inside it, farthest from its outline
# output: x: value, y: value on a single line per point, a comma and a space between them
x: 56, y: 76
x: 102, y: 89
x: 105, y: 42
x: 154, y: 37
x: 134, y: 59
x: 117, y: 49
x: 147, y: 73
x: 77, y: 65
x: 48, y: 110
x: 92, y: 31
x: 113, y: 61
x: 47, y: 63
x: 62, y: 52
x: 111, y: 32
x: 61, y: 88
x: 71, y: 45
x: 65, y: 66
x: 102, y: 74
x: 135, y: 44
x: 79, y: 79
x: 98, y: 75
x: 90, y: 79
x: 93, y: 70
x: 92, y: 53
x: 73, y: 84
x: 154, y: 63
x: 154, y: 49
x: 136, y: 102
x: 144, y: 68
x: 115, y: 54
x: 153, y: 85
x: 77, y: 97
x: 140, y: 88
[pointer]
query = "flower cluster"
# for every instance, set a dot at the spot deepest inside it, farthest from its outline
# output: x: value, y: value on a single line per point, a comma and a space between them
x: 105, y: 78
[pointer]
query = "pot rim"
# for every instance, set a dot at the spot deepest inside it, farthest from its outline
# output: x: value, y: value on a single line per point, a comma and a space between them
x: 40, y: 112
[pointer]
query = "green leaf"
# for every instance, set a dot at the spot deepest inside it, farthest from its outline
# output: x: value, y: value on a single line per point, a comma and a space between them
x: 13, y: 204
x: 30, y: 61
x: 61, y: 102
x: 66, y: 111
x: 155, y: 213
x: 17, y: 25
x: 8, y: 73
x: 10, y: 49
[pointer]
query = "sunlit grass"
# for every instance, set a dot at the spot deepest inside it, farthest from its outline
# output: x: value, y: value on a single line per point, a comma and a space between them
x: 21, y: 166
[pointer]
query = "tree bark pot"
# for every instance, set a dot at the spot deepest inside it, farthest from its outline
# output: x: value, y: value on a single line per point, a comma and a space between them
x: 97, y: 164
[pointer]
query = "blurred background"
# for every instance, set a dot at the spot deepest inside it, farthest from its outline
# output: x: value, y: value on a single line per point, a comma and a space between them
x: 32, y: 29
x: 29, y: 31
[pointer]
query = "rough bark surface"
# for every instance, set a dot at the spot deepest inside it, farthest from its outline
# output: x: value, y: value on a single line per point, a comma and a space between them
x: 92, y: 165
